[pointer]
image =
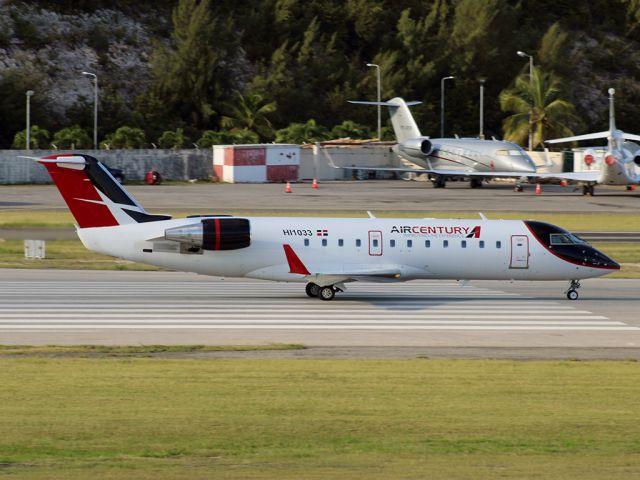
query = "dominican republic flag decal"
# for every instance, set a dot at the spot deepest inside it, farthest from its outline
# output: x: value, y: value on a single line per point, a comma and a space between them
x: 322, y: 233
x: 475, y: 233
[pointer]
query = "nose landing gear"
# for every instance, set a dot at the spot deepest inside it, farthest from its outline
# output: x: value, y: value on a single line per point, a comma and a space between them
x: 572, y: 292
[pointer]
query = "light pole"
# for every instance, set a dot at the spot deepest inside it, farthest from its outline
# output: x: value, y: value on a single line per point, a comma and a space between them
x: 482, y: 80
x: 29, y: 94
x: 95, y: 107
x: 442, y: 104
x: 378, y: 79
x: 523, y: 54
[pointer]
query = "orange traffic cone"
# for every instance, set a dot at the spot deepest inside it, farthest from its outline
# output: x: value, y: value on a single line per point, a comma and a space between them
x: 314, y: 184
x: 287, y: 188
x: 538, y: 189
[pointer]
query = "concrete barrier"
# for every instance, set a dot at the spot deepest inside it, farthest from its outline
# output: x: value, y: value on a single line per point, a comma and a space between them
x: 172, y: 164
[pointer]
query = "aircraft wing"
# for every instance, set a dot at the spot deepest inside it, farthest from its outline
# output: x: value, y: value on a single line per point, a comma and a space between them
x: 631, y: 136
x: 588, y: 136
x: 329, y: 274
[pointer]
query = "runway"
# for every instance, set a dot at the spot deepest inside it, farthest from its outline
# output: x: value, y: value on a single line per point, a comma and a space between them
x: 67, y: 307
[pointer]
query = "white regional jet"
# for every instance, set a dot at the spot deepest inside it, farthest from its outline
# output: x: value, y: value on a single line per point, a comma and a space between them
x: 324, y: 253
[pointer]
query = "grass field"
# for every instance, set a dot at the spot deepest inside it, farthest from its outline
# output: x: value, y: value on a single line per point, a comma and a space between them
x: 439, y: 419
x: 585, y: 222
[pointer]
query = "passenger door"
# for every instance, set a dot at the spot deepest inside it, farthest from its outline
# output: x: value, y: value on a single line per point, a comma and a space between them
x: 519, y: 251
x: 375, y: 242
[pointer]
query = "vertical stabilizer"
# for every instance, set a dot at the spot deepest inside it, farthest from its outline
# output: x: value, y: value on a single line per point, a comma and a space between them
x: 403, y: 123
x: 404, y: 126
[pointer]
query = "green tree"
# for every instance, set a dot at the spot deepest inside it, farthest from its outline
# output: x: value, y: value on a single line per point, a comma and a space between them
x: 302, y: 133
x: 38, y: 138
x: 235, y: 136
x: 250, y: 112
x: 350, y: 129
x: 173, y: 140
x: 72, y: 137
x: 539, y: 100
x: 196, y: 74
x: 126, y: 137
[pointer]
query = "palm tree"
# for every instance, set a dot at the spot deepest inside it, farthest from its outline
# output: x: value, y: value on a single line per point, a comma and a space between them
x: 537, y: 99
x: 250, y: 112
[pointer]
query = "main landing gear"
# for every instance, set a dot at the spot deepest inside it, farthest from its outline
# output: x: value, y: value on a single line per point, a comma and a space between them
x: 588, y: 189
x: 572, y: 293
x: 323, y: 293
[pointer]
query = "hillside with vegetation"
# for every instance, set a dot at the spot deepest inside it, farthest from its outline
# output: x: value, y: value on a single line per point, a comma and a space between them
x: 177, y: 73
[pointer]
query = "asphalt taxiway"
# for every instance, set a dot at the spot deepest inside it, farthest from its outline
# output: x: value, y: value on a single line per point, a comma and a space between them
x: 421, y: 317
x: 382, y: 195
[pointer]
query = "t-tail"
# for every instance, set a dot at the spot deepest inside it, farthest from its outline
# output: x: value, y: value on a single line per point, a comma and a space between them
x: 93, y: 195
x: 404, y: 125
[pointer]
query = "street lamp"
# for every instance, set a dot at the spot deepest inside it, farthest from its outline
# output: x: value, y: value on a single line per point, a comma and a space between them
x: 442, y: 104
x: 482, y: 80
x: 95, y: 107
x: 29, y: 94
x: 378, y: 79
x: 523, y: 55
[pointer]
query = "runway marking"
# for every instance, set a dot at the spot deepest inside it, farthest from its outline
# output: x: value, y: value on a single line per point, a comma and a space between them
x: 243, y: 305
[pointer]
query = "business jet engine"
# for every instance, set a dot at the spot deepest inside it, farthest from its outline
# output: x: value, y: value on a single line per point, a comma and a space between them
x: 213, y: 234
x: 589, y: 157
x: 416, y: 147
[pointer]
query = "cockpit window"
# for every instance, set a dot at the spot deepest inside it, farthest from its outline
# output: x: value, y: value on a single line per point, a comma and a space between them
x: 565, y: 239
x: 515, y: 153
x: 502, y: 153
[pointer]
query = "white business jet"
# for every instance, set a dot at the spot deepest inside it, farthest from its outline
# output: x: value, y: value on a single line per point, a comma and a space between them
x: 324, y: 253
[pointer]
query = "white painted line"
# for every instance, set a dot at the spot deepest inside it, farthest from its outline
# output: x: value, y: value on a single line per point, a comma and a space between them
x: 304, y: 315
x: 315, y: 327
x: 315, y: 322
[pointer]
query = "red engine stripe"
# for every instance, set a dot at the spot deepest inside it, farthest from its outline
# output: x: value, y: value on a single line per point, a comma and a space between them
x: 217, y: 224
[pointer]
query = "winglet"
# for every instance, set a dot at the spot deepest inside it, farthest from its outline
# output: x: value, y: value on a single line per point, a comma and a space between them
x: 295, y: 264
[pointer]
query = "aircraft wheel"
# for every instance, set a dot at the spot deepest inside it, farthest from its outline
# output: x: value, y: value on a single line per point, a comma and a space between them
x: 312, y: 289
x: 572, y: 295
x: 327, y: 293
x: 439, y: 182
x: 475, y: 183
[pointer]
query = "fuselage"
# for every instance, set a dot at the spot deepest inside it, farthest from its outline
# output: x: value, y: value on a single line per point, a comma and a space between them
x: 475, y: 154
x: 414, y: 248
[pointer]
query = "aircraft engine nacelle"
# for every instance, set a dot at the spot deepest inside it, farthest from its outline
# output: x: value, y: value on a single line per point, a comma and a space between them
x: 213, y: 234
x: 636, y: 160
x: 417, y: 146
x: 589, y: 157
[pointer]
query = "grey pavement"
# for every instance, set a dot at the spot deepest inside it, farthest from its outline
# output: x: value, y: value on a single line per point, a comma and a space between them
x: 421, y: 318
x: 380, y: 195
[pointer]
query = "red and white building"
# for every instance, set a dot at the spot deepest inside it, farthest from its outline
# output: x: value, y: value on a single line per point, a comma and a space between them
x: 256, y: 163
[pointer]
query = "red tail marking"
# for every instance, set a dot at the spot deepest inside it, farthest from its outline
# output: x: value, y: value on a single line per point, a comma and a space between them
x: 75, y: 186
x: 295, y: 264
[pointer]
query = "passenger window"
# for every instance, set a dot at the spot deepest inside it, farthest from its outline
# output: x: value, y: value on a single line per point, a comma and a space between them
x: 392, y: 243
x: 306, y: 242
x: 464, y: 244
x: 427, y: 243
x: 409, y: 243
x: 498, y: 244
x: 340, y: 242
x: 445, y: 243
x: 481, y: 243
x: 358, y: 242
x: 375, y: 242
x: 324, y: 242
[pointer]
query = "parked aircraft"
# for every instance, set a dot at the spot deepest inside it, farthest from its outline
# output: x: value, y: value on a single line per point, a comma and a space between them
x: 444, y: 158
x: 620, y: 163
x: 325, y: 253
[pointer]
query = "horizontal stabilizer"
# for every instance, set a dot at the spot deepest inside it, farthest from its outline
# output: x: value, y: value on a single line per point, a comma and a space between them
x: 577, y: 138
x: 385, y: 104
x: 630, y: 136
